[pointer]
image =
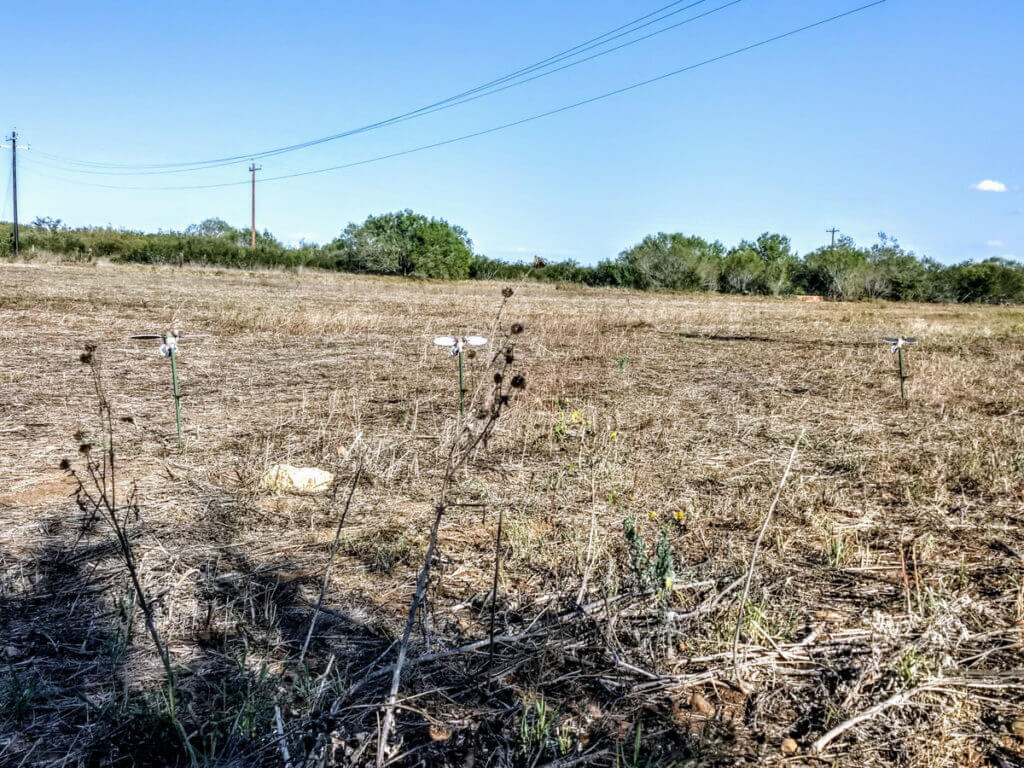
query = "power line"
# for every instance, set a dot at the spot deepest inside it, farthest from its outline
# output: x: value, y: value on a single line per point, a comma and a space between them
x: 514, y: 123
x: 14, y: 182
x: 411, y: 115
x: 451, y: 101
x: 417, y: 113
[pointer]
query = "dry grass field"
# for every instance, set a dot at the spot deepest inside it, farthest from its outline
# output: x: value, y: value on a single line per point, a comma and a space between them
x: 632, y: 475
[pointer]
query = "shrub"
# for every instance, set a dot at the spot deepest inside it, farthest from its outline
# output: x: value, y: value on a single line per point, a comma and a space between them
x: 410, y: 244
x: 677, y: 262
x: 405, y: 243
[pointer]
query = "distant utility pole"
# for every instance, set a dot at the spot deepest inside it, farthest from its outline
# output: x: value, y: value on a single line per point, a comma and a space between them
x: 13, y: 138
x: 252, y: 169
x: 833, y: 233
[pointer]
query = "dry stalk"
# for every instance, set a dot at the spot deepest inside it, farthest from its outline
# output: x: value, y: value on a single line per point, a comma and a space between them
x: 101, y: 499
x: 330, y: 561
x: 494, y: 587
x: 462, y: 447
x: 281, y: 737
x: 753, y: 562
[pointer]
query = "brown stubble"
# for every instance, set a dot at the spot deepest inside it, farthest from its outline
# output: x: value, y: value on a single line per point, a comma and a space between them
x: 647, y: 403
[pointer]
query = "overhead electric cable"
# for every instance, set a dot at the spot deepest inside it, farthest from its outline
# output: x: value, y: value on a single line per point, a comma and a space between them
x: 602, y: 39
x: 408, y: 116
x: 514, y: 123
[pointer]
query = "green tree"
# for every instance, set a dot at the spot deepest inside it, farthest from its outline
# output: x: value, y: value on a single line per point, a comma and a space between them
x: 48, y: 223
x: 212, y: 228
x: 837, y: 272
x: 442, y: 250
x: 405, y: 243
x: 898, y: 273
x: 773, y: 248
x: 996, y: 281
x: 743, y: 269
x: 674, y: 261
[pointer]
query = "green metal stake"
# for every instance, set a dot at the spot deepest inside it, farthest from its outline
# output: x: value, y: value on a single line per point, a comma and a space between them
x: 177, y: 394
x: 169, y: 348
x: 903, y: 378
x: 454, y: 346
x: 462, y: 388
x: 897, y: 349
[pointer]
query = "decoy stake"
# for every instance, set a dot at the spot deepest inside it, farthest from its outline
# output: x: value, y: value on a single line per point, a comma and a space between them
x: 897, y: 349
x: 169, y: 348
x: 455, y: 346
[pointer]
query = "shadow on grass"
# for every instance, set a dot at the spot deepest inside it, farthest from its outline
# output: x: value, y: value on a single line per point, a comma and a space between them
x: 82, y: 682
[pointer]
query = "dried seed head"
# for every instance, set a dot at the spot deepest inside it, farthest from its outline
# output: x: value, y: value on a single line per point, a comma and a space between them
x: 517, y: 328
x: 507, y: 292
x: 518, y: 381
x: 65, y: 465
x: 498, y: 378
x: 504, y: 399
x: 85, y: 357
x: 470, y: 353
x: 84, y: 448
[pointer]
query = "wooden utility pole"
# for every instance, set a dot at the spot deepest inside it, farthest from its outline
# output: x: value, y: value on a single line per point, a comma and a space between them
x: 833, y: 233
x: 252, y: 169
x: 13, y: 138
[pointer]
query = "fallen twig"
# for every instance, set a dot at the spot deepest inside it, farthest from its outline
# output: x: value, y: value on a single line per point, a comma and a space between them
x: 893, y: 701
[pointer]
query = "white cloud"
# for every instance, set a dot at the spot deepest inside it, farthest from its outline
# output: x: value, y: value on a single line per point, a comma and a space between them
x: 995, y: 243
x: 989, y: 185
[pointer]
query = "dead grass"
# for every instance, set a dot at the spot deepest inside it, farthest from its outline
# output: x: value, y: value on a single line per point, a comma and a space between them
x: 889, y: 566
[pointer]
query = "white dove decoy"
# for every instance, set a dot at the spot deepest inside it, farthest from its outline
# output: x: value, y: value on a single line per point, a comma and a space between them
x: 169, y: 340
x: 455, y: 344
x: 899, y: 342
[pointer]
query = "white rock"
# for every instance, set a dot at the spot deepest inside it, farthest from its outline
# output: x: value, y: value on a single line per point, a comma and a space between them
x: 288, y: 479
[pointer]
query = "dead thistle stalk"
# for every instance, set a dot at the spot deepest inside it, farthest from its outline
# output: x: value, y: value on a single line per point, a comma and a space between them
x: 465, y: 442
x: 494, y: 588
x: 101, y: 500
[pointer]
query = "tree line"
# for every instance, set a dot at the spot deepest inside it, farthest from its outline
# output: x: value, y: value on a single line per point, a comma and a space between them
x: 412, y: 245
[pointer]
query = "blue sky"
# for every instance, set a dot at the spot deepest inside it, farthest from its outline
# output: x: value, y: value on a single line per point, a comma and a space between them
x: 883, y: 121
